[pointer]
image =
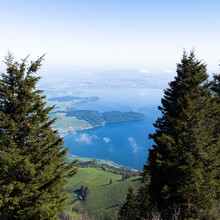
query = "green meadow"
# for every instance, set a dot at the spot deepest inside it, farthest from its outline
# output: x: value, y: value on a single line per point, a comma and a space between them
x: 64, y: 123
x: 103, y: 198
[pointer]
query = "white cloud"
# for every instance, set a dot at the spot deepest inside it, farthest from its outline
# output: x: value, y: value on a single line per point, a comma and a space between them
x: 133, y: 144
x: 168, y: 71
x: 84, y: 138
x: 106, y: 140
x: 144, y: 71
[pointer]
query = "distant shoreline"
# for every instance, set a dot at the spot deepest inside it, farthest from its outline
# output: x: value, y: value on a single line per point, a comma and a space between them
x: 101, y: 161
x: 71, y: 119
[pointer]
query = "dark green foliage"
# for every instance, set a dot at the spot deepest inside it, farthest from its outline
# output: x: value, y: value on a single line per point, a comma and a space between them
x: 117, y: 116
x: 215, y: 88
x: 184, y: 162
x: 129, y: 210
x: 32, y: 167
x: 142, y: 199
x: 215, y: 85
x: 86, y: 191
x: 216, y: 123
x: 82, y: 191
x: 96, y: 118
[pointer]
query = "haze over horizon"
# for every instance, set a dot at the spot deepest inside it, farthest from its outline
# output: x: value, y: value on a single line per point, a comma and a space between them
x: 146, y: 36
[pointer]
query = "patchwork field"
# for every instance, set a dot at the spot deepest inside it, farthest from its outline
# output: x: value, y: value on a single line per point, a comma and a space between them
x: 64, y: 124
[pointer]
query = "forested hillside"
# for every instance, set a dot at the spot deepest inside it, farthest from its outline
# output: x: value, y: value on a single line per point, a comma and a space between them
x: 96, y: 118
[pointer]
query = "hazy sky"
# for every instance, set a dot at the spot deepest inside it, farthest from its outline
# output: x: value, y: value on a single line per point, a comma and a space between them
x: 139, y: 34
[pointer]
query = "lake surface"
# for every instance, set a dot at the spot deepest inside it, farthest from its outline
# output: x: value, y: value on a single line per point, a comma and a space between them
x: 125, y: 143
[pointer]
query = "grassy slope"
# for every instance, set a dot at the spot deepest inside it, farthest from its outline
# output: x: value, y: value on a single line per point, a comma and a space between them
x: 103, y: 199
x: 64, y: 122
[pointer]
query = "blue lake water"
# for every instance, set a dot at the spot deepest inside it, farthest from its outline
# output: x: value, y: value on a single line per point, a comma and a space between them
x: 125, y: 143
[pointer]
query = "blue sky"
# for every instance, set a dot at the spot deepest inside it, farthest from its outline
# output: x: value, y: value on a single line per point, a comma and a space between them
x: 105, y: 34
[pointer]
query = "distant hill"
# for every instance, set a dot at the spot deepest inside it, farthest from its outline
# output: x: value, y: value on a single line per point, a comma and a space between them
x: 96, y: 118
x: 117, y: 116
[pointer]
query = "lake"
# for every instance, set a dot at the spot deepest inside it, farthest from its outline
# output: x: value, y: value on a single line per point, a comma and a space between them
x: 125, y: 143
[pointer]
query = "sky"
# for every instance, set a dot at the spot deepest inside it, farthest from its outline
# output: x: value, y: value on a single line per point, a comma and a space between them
x: 106, y: 34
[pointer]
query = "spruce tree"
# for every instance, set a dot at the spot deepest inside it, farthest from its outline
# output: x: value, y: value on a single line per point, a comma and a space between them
x: 32, y: 158
x: 142, y: 197
x: 129, y: 209
x: 183, y: 163
x: 215, y: 88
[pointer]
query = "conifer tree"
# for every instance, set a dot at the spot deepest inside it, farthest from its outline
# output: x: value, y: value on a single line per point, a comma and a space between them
x: 129, y: 209
x: 215, y: 85
x: 32, y: 158
x: 216, y: 123
x: 110, y: 181
x: 183, y: 161
x: 82, y: 191
x: 142, y: 197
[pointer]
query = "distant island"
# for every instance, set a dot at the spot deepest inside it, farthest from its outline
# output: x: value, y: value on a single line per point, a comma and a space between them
x: 96, y: 118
